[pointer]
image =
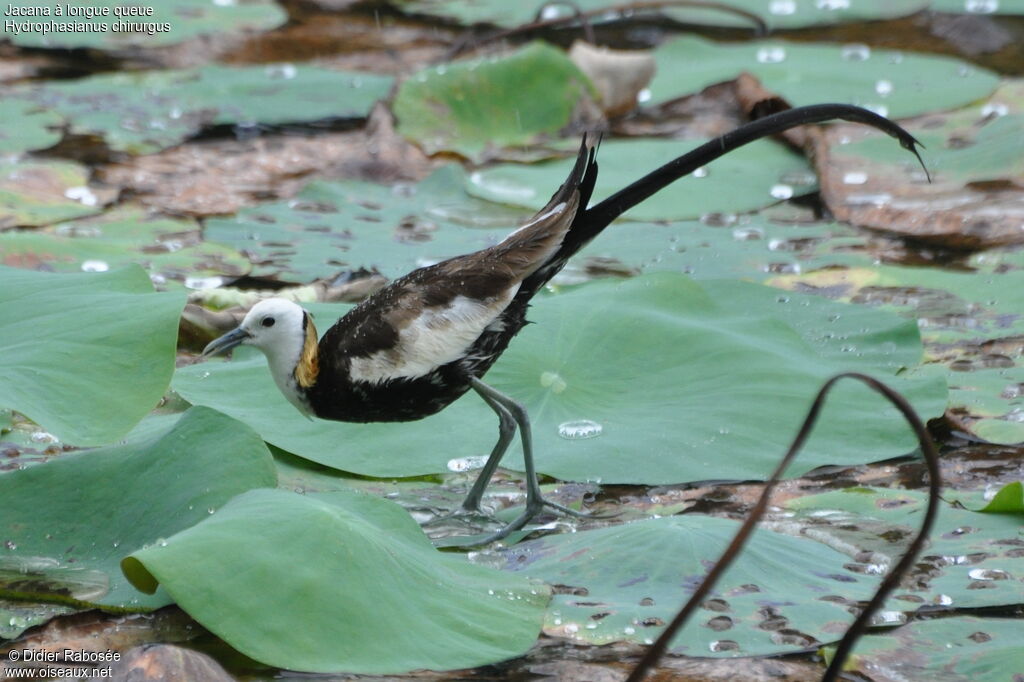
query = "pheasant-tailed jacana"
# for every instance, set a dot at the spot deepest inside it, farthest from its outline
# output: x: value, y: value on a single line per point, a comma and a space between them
x: 418, y: 344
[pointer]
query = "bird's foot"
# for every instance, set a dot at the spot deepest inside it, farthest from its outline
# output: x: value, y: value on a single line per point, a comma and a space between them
x: 516, y: 524
x: 471, y: 520
x: 534, y: 507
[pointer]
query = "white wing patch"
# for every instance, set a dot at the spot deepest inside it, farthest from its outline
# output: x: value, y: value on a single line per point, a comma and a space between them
x: 437, y: 337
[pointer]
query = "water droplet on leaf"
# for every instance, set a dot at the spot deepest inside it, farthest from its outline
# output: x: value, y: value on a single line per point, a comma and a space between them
x: 771, y: 55
x: 782, y: 7
x: 579, y: 429
x: 855, y: 52
x: 470, y: 463
x: 95, y: 266
x: 981, y: 6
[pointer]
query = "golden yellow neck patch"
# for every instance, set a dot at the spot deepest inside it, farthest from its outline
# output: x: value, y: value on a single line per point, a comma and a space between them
x: 309, y: 362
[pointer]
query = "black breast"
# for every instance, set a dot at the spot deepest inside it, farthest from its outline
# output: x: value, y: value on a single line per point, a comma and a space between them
x: 335, y: 396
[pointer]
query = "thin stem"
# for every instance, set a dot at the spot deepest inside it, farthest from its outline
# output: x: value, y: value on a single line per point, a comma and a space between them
x: 657, y: 650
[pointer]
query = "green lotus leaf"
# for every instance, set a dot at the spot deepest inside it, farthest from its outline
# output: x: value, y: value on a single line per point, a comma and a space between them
x: 339, y: 582
x: 470, y: 107
x: 992, y: 153
x: 766, y: 171
x: 777, y: 14
x: 752, y: 248
x: 347, y: 225
x: 972, y: 559
x: 16, y: 616
x: 956, y: 307
x: 670, y: 372
x: 70, y: 521
x: 171, y: 21
x: 962, y: 648
x: 994, y: 397
x: 144, y: 112
x: 896, y: 84
x: 27, y: 127
x: 999, y: 431
x: 782, y: 594
x: 169, y: 248
x: 958, y: 311
x: 1008, y: 500
x: 85, y: 355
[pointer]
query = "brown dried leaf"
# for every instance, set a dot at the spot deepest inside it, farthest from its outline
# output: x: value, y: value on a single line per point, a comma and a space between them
x: 167, y: 663
x: 618, y: 75
x: 757, y: 101
x: 949, y: 214
x: 216, y: 178
x: 964, y: 207
x: 376, y: 43
x: 713, y: 111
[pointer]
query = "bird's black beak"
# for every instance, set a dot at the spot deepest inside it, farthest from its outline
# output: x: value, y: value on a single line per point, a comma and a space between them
x: 225, y: 343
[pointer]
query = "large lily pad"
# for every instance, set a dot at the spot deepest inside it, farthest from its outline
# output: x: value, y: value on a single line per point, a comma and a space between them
x: 144, y: 112
x: 468, y: 107
x: 69, y: 522
x: 766, y: 171
x: 782, y: 594
x: 42, y: 192
x: 954, y: 649
x: 752, y: 248
x: 995, y: 398
x: 85, y: 356
x: 971, y: 322
x: 777, y: 14
x: 339, y: 226
x: 676, y: 371
x: 339, y: 582
x: 170, y: 22
x: 27, y: 127
x: 973, y: 559
x: 894, y: 83
x: 169, y: 249
x: 955, y: 306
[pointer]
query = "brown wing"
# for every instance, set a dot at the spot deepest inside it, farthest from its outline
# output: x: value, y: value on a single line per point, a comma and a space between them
x: 434, y: 314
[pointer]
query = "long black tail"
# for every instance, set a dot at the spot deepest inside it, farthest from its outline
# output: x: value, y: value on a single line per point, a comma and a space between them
x: 590, y: 223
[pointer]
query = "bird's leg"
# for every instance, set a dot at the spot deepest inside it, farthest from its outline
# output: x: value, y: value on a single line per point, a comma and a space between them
x: 506, y: 430
x: 535, y: 501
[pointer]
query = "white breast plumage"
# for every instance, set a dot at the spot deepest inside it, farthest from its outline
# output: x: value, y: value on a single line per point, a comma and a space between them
x: 421, y: 349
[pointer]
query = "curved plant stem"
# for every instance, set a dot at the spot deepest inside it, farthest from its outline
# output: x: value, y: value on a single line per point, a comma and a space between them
x: 655, y: 652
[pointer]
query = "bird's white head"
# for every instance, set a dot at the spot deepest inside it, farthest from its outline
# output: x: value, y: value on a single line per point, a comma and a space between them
x: 287, y: 337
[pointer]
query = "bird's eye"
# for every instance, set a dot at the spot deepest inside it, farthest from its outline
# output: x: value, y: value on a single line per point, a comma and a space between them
x: 267, y: 322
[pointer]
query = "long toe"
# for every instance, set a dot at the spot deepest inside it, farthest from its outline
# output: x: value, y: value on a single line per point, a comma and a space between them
x: 467, y: 517
x: 517, y: 524
x: 562, y: 509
